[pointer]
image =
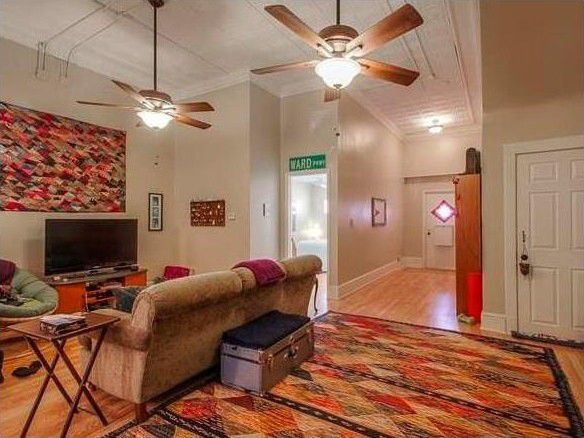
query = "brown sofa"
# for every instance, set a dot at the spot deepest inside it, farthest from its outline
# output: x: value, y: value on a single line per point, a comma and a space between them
x: 174, y: 330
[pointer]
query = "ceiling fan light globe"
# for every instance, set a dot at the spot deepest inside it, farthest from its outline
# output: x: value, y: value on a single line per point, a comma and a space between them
x: 337, y: 72
x: 155, y: 119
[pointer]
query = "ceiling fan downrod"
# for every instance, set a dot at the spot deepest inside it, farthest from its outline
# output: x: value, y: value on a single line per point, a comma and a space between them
x: 155, y: 47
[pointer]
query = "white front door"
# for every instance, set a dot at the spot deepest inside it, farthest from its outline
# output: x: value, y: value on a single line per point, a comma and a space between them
x: 439, y: 250
x: 550, y: 214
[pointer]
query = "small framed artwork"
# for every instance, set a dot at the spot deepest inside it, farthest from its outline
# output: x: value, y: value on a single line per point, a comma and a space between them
x: 378, y: 212
x: 208, y: 213
x: 155, y: 207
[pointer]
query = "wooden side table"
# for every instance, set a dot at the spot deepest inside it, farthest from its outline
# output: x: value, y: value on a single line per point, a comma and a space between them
x: 32, y: 333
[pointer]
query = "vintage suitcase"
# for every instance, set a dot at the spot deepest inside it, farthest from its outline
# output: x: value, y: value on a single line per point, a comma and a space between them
x: 259, y: 354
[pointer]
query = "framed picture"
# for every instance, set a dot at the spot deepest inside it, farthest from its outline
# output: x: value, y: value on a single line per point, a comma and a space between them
x: 378, y: 212
x: 155, y: 211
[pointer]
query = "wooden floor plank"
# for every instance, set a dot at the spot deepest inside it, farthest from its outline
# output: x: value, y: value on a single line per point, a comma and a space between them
x: 416, y: 296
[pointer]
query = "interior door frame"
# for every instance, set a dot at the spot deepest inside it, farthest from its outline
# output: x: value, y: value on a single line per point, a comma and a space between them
x: 288, y: 209
x: 425, y: 223
x: 510, y: 153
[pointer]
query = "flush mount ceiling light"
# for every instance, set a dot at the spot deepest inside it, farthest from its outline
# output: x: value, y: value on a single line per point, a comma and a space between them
x: 435, y: 127
x: 155, y: 108
x: 337, y: 72
x: 340, y: 49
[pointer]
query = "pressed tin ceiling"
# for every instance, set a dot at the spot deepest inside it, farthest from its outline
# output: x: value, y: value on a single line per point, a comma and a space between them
x: 206, y: 44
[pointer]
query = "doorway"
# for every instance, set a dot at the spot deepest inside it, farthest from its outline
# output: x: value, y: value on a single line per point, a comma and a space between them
x: 550, y: 237
x: 439, y: 229
x: 308, y: 216
x: 544, y: 230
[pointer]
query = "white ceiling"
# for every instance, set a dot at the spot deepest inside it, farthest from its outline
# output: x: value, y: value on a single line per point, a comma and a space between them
x: 206, y: 44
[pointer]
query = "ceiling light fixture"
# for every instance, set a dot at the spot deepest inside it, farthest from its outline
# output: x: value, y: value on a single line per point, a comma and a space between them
x: 337, y: 72
x: 154, y: 107
x: 155, y: 119
x: 341, y: 50
x: 435, y: 127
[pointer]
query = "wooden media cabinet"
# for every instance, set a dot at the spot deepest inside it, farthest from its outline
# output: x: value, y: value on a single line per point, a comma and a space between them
x: 77, y: 293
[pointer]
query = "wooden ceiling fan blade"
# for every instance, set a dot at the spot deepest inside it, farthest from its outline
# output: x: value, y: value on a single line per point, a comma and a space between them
x: 193, y: 107
x: 190, y: 121
x: 296, y: 25
x: 394, y: 25
x: 109, y: 105
x: 331, y: 94
x: 388, y: 72
x: 133, y: 93
x: 284, y: 67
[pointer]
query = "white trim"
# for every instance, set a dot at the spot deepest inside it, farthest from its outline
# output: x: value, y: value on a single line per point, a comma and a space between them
x: 411, y: 262
x: 351, y: 286
x: 424, y: 224
x: 494, y: 322
x: 510, y: 153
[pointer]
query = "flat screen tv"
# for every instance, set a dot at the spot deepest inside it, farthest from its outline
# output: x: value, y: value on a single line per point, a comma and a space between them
x: 76, y: 245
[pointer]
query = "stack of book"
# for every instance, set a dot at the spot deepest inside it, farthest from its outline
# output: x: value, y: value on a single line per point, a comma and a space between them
x: 59, y: 324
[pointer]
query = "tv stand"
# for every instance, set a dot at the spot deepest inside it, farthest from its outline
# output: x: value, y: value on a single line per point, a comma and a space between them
x: 73, y: 290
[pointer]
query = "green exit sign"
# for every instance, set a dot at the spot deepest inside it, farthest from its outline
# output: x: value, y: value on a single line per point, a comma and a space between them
x: 309, y: 162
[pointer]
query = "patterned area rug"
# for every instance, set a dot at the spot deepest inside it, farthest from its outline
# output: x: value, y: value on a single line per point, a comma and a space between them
x: 378, y: 378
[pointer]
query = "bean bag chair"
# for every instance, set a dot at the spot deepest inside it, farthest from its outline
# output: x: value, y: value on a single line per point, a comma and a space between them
x: 40, y: 298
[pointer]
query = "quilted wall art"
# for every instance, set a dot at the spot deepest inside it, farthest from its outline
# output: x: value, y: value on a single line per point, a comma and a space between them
x: 56, y: 164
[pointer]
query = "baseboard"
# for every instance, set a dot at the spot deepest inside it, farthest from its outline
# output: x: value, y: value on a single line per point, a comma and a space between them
x: 411, y: 262
x: 494, y: 322
x: 351, y: 286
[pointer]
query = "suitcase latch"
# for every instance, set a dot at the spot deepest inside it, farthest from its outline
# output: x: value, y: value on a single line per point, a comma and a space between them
x: 292, y: 352
x: 270, y: 361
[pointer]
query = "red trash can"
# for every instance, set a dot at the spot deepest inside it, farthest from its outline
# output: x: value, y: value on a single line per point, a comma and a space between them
x: 474, y: 282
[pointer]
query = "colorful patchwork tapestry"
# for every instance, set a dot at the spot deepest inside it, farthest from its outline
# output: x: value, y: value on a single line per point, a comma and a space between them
x: 375, y: 378
x: 53, y: 163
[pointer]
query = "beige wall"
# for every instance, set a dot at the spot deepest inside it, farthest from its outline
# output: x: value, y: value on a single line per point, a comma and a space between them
x: 369, y: 165
x: 308, y: 126
x: 214, y: 164
x: 440, y: 154
x: 149, y: 158
x: 265, y: 173
x: 533, y: 88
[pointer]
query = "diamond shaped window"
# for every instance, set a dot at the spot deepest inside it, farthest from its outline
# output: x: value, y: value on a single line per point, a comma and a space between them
x: 443, y: 211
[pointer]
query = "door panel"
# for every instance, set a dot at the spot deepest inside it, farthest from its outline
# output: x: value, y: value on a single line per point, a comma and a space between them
x: 543, y: 216
x: 550, y: 210
x: 578, y: 298
x: 543, y: 295
x: 577, y: 221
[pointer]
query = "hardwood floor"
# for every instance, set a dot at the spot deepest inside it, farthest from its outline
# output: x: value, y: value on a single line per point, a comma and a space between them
x: 416, y: 296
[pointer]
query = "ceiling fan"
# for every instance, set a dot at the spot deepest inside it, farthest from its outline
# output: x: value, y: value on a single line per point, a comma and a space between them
x: 341, y: 48
x: 156, y: 108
